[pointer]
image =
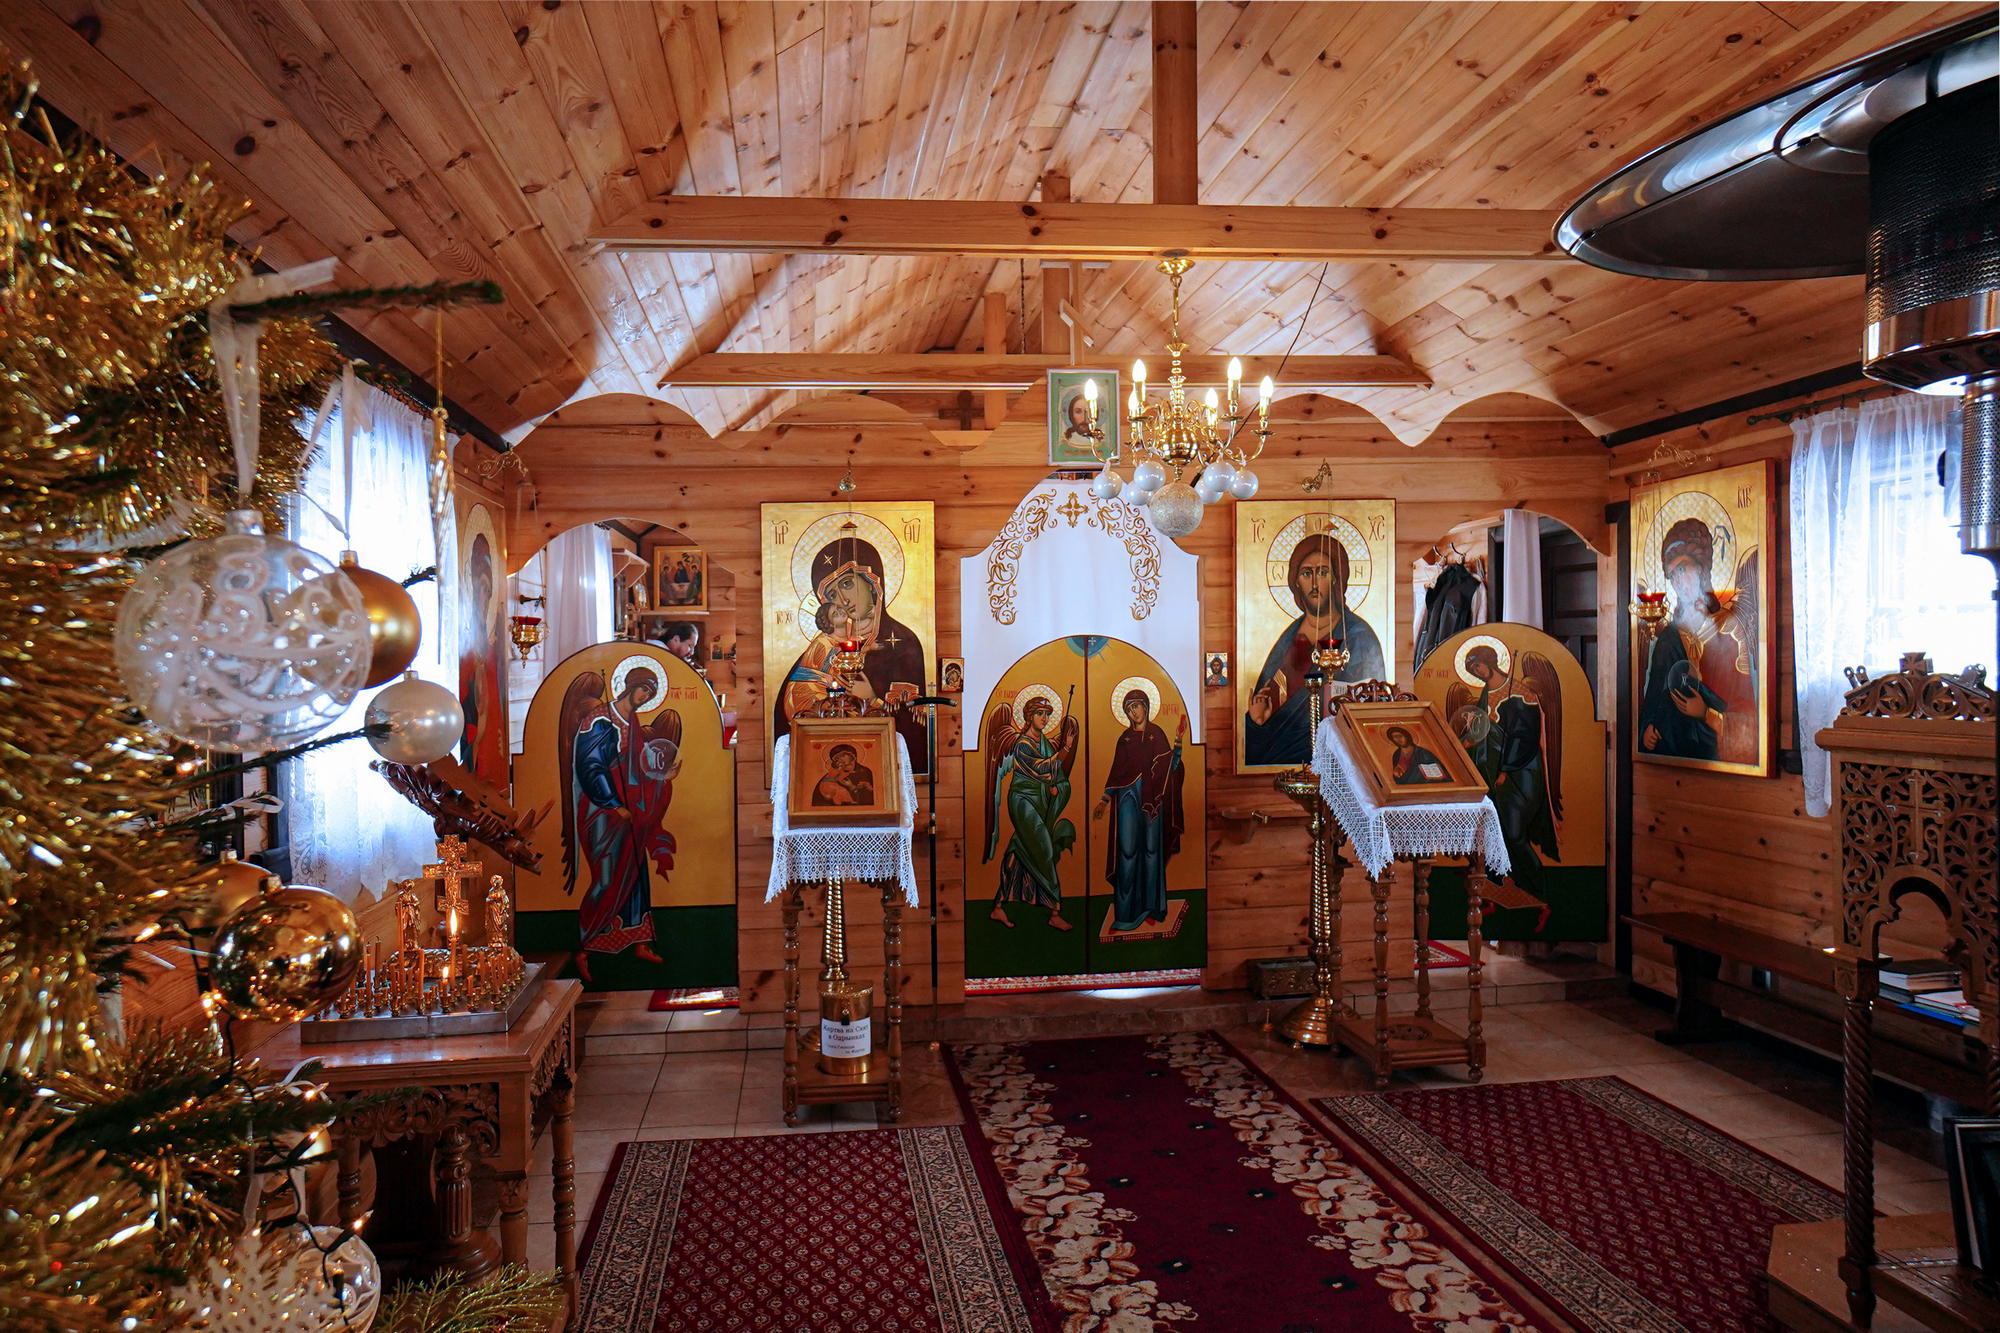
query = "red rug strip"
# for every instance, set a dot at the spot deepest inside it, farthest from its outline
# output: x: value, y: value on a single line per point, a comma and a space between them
x: 865, y: 1231
x: 1623, y: 1212
x: 1163, y: 1183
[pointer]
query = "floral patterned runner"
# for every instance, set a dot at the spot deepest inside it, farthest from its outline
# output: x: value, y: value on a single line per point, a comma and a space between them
x: 1163, y: 1183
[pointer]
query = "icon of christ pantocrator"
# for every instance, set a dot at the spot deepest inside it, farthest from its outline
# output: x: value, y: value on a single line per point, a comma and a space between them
x: 617, y: 775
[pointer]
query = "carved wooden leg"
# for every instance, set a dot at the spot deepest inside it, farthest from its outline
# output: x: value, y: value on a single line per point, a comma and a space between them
x: 349, y: 1179
x: 513, y: 1219
x: 1475, y: 1038
x: 1379, y: 885
x: 460, y: 1247
x: 892, y: 982
x: 794, y: 902
x: 1420, y: 878
x: 563, y: 1168
x: 1855, y: 977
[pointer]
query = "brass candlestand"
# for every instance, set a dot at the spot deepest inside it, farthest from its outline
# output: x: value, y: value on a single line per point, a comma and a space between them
x: 1312, y: 1020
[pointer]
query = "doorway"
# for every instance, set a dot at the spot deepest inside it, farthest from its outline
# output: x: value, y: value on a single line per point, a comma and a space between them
x: 1086, y: 851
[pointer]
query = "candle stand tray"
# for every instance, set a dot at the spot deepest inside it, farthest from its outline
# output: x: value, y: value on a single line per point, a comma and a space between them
x: 386, y: 1027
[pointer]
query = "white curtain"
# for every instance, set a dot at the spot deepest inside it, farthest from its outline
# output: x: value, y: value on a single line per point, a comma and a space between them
x: 1876, y: 568
x: 348, y: 829
x: 578, y: 569
x: 1521, y: 579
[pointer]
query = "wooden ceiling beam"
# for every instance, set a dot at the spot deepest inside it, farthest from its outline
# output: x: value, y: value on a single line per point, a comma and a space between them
x: 744, y: 370
x: 1011, y: 229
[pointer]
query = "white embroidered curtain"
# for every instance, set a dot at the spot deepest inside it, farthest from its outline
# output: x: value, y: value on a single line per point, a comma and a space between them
x: 348, y: 830
x: 1876, y: 568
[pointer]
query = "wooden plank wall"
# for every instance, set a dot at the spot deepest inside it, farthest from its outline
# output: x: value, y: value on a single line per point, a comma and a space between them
x: 1738, y: 849
x: 1257, y: 887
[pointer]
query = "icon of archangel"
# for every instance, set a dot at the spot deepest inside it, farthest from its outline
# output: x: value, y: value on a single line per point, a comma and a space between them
x: 1031, y: 745
x: 618, y: 766
x: 1507, y: 709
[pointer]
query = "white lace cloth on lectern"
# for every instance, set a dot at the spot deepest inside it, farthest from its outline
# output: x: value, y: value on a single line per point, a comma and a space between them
x: 811, y: 855
x: 1381, y: 833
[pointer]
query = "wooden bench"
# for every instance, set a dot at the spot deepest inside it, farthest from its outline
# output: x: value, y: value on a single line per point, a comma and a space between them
x: 1932, y: 1054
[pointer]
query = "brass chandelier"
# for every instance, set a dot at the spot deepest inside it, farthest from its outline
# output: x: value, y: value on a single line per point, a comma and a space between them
x: 1187, y: 454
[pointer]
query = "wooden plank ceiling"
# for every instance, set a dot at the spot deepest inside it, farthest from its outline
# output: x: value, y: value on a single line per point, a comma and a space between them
x: 418, y: 139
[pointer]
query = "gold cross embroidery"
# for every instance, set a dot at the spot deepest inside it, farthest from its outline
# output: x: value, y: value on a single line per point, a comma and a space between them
x: 1072, y: 508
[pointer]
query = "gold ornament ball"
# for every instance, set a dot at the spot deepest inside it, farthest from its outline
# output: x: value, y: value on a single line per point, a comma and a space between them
x: 394, y: 630
x: 286, y: 956
x: 239, y: 883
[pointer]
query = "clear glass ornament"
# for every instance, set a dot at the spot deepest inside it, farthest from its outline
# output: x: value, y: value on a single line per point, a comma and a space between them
x: 242, y: 642
x: 282, y: 1281
x: 1175, y: 509
x: 1106, y: 485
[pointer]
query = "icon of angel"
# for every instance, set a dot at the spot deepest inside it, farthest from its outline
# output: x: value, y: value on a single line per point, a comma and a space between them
x: 1512, y: 727
x: 617, y: 778
x: 1031, y: 746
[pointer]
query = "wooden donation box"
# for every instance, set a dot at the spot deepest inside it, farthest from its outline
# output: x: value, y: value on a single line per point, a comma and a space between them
x: 1914, y: 810
x: 832, y: 822
x: 1343, y: 803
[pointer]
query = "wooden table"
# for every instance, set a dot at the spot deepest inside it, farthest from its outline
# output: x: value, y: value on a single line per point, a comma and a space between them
x: 477, y: 1095
x: 808, y: 1086
x: 1418, y: 1040
x: 1808, y: 1294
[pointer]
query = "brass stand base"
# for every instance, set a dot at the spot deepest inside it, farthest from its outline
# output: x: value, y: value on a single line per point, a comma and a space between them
x: 1310, y: 1023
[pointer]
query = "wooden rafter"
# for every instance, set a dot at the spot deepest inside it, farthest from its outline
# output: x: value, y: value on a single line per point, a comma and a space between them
x: 1004, y: 229
x: 744, y: 370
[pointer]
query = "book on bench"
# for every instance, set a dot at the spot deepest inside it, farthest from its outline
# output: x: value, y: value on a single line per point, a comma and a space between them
x: 1919, y: 975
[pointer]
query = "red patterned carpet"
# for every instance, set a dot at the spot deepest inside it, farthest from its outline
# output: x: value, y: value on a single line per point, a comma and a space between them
x: 869, y: 1231
x: 1163, y: 1183
x: 1626, y: 1214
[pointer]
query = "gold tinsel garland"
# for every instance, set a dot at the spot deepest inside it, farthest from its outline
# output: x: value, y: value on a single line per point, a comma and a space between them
x: 124, y: 1162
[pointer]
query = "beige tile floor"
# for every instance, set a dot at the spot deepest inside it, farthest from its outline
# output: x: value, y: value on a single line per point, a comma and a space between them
x: 714, y: 1094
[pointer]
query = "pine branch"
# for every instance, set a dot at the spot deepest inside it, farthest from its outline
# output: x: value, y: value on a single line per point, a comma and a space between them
x: 436, y: 295
x: 513, y: 1300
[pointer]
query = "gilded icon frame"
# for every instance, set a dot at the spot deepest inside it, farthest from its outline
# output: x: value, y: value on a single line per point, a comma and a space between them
x: 1363, y: 726
x: 874, y: 738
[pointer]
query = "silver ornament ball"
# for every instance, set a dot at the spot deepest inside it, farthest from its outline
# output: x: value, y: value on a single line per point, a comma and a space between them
x: 1149, y: 476
x: 1106, y: 485
x: 1244, y: 487
x: 425, y: 720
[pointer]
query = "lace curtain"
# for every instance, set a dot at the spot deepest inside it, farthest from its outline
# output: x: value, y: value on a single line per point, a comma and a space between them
x: 1876, y: 569
x: 578, y: 571
x: 348, y: 830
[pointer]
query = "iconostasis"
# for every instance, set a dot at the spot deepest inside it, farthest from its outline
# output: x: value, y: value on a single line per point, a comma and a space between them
x: 624, y: 748
x: 1086, y: 819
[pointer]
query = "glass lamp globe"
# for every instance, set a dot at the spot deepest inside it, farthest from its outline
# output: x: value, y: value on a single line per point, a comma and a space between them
x: 1175, y: 509
x: 1244, y: 487
x: 242, y: 642
x: 1106, y: 485
x: 1149, y: 476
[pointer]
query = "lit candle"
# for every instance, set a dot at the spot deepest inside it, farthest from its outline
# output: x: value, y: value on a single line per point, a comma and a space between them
x: 1139, y: 373
x: 1213, y: 404
x: 1235, y: 370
